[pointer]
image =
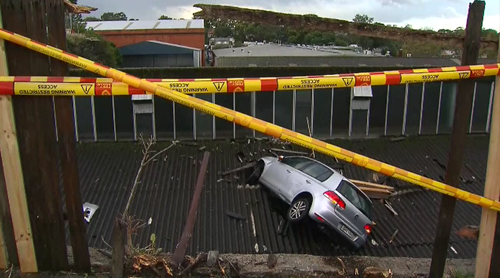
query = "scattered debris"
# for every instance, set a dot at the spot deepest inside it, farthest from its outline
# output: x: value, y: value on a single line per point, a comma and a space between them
x: 193, y: 263
x: 150, y: 221
x: 235, y: 215
x: 212, y: 258
x: 469, y: 231
x: 272, y: 261
x: 356, y: 272
x: 397, y: 139
x: 390, y: 208
x: 202, y: 148
x: 376, y: 272
x: 374, y: 243
x: 344, y: 268
x: 372, y: 185
x: 393, y: 236
x: 250, y: 165
x: 222, y: 269
x: 453, y: 249
x: 288, y: 151
x: 89, y: 211
x: 247, y: 186
x: 150, y: 262
x: 240, y: 156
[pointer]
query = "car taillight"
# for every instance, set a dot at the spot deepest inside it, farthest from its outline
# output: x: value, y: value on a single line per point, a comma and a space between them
x: 368, y: 229
x: 334, y: 198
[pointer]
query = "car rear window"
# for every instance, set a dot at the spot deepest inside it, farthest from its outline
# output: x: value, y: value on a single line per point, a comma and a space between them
x: 358, y: 199
x: 318, y: 171
x: 297, y: 162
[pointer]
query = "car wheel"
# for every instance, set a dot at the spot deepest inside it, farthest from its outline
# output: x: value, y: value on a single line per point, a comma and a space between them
x: 253, y: 179
x: 298, y: 210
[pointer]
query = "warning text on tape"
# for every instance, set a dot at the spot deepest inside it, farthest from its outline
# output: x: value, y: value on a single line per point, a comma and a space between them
x: 53, y: 89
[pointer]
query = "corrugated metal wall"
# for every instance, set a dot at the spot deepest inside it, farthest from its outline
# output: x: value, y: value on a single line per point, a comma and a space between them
x: 159, y: 61
x: 413, y: 109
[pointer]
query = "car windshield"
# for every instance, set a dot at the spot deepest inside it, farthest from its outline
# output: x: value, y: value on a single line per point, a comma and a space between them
x: 354, y: 195
x: 309, y: 167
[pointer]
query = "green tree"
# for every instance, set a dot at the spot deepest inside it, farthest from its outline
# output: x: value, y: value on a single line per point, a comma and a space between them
x: 164, y: 17
x: 363, y: 18
x: 92, y: 18
x: 110, y: 16
x: 92, y: 46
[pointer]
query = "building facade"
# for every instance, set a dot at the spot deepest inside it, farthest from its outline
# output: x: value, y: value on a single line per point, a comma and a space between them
x: 155, y: 54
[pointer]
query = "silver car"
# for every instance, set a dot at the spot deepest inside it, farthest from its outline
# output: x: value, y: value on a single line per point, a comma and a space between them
x: 313, y: 189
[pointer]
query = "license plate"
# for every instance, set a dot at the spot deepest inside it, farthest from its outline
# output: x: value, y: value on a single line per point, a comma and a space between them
x: 347, y: 231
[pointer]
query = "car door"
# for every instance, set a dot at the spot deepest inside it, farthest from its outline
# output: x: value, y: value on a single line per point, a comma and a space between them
x: 295, y: 183
x: 285, y: 176
x: 307, y: 178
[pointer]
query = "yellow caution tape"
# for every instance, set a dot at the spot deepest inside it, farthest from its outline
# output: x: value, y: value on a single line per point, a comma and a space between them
x: 253, y: 123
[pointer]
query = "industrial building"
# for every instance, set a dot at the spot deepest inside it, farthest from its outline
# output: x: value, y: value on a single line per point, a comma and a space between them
x: 154, y: 54
x: 175, y: 33
x: 274, y: 55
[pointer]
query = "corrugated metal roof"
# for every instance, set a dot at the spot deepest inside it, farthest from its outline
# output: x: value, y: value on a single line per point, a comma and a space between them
x: 107, y: 172
x: 146, y: 25
x: 340, y: 61
x: 155, y: 48
x: 268, y: 50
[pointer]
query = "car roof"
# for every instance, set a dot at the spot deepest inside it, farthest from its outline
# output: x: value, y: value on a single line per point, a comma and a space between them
x: 334, y: 180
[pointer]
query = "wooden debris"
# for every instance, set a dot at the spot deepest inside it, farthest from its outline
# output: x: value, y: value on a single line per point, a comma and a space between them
x: 393, y: 236
x: 344, y: 268
x: 371, y: 184
x: 237, y: 169
x: 376, y: 272
x: 191, y: 265
x: 469, y: 232
x: 78, y: 9
x: 390, y: 208
x: 289, y: 151
x: 152, y: 263
x: 235, y: 215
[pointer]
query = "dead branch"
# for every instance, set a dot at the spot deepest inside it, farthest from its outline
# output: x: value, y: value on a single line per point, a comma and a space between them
x: 145, y: 160
x: 191, y: 265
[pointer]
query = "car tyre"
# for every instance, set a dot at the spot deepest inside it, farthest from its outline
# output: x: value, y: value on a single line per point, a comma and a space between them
x: 253, y: 179
x: 298, y: 210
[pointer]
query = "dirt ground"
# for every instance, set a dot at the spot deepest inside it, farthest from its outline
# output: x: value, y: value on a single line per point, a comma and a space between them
x: 281, y: 265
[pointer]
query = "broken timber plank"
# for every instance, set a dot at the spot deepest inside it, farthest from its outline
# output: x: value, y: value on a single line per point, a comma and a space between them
x: 237, y: 169
x: 14, y: 179
x: 371, y: 184
x: 180, y: 251
x: 289, y: 151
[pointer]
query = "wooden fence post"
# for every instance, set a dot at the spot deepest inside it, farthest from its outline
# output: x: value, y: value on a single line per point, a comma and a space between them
x: 36, y: 133
x: 67, y: 140
x: 461, y: 119
x: 489, y: 218
x: 18, y: 239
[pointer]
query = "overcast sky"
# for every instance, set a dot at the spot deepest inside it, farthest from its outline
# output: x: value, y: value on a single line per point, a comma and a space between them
x: 447, y: 14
